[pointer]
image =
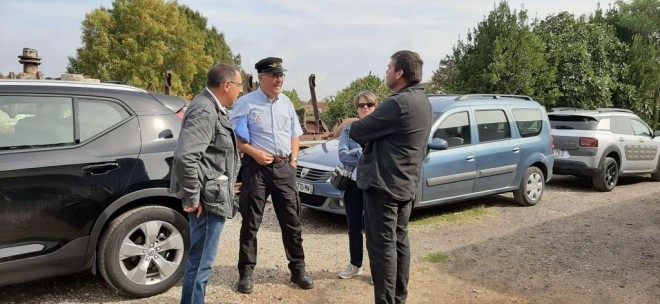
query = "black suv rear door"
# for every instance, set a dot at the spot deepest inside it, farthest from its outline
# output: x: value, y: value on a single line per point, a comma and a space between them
x: 62, y: 160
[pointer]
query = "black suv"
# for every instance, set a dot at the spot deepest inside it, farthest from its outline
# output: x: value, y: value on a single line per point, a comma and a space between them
x: 84, y: 178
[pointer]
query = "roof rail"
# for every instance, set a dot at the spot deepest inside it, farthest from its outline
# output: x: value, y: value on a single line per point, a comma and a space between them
x: 602, y: 110
x: 494, y: 96
x: 561, y: 109
x: 441, y: 95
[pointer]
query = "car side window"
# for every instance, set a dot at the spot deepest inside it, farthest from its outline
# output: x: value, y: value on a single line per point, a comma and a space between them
x: 621, y: 125
x: 640, y: 128
x: 96, y: 116
x: 529, y: 121
x: 492, y: 125
x: 455, y: 129
x: 35, y: 122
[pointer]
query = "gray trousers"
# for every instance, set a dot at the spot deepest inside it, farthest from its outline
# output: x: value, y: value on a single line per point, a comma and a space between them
x: 386, y: 223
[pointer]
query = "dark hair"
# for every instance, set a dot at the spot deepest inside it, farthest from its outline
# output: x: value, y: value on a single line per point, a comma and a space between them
x: 411, y: 64
x: 219, y: 74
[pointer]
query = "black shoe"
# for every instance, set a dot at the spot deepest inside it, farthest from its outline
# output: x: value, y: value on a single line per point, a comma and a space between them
x: 245, y: 284
x: 303, y: 280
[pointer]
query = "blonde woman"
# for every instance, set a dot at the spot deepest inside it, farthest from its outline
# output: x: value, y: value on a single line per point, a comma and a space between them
x: 349, y: 155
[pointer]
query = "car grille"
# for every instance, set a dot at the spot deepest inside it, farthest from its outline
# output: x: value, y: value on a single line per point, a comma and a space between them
x: 313, y: 175
x: 312, y: 200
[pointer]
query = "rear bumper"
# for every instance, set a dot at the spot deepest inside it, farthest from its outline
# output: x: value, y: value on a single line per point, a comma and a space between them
x: 569, y: 167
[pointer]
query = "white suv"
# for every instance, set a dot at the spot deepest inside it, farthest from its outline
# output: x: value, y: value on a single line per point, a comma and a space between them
x: 604, y: 144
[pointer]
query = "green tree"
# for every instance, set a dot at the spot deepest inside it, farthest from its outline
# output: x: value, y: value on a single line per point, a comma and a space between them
x: 585, y: 58
x: 444, y: 77
x: 342, y: 105
x: 214, y: 45
x: 295, y: 99
x: 500, y: 55
x: 138, y: 41
x: 637, y: 23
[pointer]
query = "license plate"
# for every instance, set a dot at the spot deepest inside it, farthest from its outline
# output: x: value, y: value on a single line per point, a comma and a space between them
x: 561, y: 154
x: 305, y: 188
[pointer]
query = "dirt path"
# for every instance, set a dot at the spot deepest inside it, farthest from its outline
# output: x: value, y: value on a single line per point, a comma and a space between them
x: 576, y: 246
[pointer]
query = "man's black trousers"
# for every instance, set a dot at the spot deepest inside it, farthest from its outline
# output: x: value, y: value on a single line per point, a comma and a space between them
x: 279, y: 181
x: 386, y: 223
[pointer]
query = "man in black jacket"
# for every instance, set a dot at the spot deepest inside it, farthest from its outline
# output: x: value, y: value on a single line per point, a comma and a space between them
x: 395, y: 138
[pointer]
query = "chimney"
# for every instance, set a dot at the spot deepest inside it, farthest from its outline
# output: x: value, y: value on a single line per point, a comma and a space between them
x: 30, y: 61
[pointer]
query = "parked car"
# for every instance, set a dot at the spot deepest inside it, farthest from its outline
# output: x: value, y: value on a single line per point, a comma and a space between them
x: 604, y: 144
x: 84, y: 178
x: 479, y: 145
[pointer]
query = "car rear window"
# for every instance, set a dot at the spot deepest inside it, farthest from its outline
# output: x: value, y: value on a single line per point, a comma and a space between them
x: 529, y: 121
x: 573, y: 122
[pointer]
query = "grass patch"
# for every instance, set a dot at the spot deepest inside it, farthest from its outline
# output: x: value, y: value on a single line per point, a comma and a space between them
x: 467, y: 215
x: 437, y: 257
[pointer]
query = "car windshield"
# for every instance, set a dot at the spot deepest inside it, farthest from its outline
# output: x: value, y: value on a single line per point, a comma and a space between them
x: 573, y: 122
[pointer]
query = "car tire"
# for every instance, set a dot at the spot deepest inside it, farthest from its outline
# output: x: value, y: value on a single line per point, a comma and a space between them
x: 531, y: 187
x: 143, y: 251
x: 606, y: 178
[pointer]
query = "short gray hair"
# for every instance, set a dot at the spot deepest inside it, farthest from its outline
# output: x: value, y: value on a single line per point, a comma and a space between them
x: 221, y: 73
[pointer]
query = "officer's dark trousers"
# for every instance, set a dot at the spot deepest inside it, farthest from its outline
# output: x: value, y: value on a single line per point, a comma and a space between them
x: 279, y: 181
x: 386, y: 223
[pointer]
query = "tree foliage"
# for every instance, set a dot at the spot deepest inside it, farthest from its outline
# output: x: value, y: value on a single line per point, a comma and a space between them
x: 586, y: 59
x: 500, y: 55
x: 603, y: 60
x: 342, y: 104
x: 295, y: 99
x: 138, y: 41
x: 637, y: 23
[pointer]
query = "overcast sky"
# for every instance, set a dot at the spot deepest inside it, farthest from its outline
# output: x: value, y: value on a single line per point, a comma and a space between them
x: 338, y: 40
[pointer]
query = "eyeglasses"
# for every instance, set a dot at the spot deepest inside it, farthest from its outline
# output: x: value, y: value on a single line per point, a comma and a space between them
x: 275, y: 75
x: 365, y: 105
x: 238, y: 84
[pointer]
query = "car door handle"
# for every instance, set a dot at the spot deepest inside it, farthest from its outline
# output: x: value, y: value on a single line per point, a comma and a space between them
x: 98, y: 169
x: 641, y: 140
x: 621, y: 139
x: 516, y: 150
x: 470, y: 158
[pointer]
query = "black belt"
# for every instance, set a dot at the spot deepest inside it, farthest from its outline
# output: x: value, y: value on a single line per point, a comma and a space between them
x: 279, y: 159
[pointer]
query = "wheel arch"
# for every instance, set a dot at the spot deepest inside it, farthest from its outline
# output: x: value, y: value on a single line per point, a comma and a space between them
x: 144, y: 197
x: 533, y: 160
x: 613, y: 152
x: 542, y: 167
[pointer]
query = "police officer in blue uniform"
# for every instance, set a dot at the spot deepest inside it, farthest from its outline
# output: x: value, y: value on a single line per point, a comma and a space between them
x: 268, y: 127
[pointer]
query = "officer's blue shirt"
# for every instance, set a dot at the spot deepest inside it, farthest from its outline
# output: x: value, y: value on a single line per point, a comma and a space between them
x: 271, y: 125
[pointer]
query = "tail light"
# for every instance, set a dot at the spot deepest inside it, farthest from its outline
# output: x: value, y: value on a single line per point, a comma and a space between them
x: 588, y: 142
x: 552, y: 141
x: 180, y: 114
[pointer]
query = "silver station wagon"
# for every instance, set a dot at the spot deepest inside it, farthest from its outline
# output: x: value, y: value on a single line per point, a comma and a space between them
x: 479, y: 145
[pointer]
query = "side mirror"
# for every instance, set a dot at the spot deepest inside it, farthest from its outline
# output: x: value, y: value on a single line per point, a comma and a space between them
x: 438, y: 144
x: 656, y: 133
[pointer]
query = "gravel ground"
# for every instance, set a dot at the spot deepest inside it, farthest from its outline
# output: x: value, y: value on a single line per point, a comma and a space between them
x: 576, y: 246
